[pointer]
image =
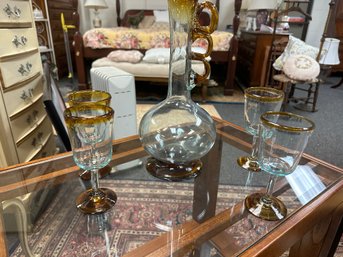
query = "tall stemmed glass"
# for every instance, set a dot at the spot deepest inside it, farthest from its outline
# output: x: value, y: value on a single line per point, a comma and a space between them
x: 90, y: 131
x: 257, y: 100
x: 90, y: 97
x: 283, y: 138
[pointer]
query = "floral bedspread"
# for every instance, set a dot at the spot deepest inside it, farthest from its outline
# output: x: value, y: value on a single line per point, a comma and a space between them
x: 130, y: 38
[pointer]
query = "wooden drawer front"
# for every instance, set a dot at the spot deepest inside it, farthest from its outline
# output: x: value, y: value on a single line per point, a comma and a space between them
x: 15, y: 13
x: 21, y: 68
x: 27, y: 121
x: 48, y: 149
x: 14, y: 41
x: 32, y: 144
x: 19, y: 99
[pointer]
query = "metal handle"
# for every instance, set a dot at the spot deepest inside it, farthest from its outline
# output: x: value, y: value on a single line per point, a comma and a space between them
x: 29, y: 119
x: 19, y: 41
x: 24, y: 96
x: 37, y: 141
x: 12, y: 13
x: 35, y: 114
x: 24, y: 70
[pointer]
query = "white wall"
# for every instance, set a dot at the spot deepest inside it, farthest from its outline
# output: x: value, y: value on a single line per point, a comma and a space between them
x: 109, y: 17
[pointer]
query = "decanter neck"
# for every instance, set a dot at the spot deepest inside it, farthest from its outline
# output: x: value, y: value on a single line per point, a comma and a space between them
x: 180, y: 56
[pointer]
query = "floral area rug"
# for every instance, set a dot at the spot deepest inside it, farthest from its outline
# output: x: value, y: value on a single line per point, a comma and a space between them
x: 144, y: 210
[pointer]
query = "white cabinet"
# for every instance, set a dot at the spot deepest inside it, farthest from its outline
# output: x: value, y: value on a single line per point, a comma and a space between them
x: 26, y: 131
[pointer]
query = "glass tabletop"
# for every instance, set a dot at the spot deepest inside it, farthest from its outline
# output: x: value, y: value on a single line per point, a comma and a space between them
x: 204, y: 216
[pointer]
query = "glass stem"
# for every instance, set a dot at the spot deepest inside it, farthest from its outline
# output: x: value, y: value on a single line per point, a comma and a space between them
x: 270, y: 185
x: 95, y: 179
x: 254, y: 152
x: 94, y: 172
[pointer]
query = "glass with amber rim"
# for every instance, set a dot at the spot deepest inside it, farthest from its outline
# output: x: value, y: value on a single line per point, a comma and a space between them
x: 90, y: 131
x: 257, y: 100
x: 283, y: 138
x: 89, y: 96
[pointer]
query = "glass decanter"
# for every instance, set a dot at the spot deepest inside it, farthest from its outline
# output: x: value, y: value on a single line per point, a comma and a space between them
x: 177, y: 132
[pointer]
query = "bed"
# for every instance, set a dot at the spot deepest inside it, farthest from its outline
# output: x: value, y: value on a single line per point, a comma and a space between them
x: 98, y: 43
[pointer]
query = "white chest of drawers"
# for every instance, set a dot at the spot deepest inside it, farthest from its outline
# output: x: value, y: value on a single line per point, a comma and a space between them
x: 25, y: 129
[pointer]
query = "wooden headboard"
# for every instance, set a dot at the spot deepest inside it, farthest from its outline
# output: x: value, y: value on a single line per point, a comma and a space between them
x: 203, y: 17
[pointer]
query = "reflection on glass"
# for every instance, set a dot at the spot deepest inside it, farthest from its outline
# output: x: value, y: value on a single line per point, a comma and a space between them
x: 305, y: 183
x: 283, y: 138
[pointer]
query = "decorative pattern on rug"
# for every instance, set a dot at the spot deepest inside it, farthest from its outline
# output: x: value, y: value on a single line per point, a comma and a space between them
x: 145, y: 209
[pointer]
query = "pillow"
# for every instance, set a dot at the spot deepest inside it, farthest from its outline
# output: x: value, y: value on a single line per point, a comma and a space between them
x: 301, y: 67
x: 135, y: 19
x: 161, y: 15
x: 157, y: 55
x: 132, y: 56
x: 146, y: 22
x: 162, y: 55
x: 295, y: 46
x: 160, y: 26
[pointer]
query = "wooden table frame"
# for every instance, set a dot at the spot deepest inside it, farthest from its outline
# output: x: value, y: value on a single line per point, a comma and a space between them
x: 310, y: 231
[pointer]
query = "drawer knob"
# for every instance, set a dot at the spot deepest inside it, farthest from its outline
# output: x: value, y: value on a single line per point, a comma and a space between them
x: 19, y: 41
x: 12, y: 13
x: 25, y: 69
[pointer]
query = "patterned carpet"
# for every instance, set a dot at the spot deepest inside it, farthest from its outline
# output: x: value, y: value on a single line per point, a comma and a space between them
x: 136, y: 218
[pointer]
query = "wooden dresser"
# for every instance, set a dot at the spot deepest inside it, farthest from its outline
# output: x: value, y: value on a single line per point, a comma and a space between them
x: 26, y: 131
x: 252, y: 56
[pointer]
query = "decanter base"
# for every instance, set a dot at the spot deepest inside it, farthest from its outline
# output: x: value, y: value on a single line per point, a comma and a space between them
x: 171, y: 171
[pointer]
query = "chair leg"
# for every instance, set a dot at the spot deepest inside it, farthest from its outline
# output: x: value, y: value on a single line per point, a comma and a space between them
x: 204, y: 86
x: 287, y: 88
x: 315, y: 97
x: 339, y: 84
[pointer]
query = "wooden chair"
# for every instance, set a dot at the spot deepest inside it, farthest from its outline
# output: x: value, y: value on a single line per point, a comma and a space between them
x: 277, y: 79
x: 289, y: 86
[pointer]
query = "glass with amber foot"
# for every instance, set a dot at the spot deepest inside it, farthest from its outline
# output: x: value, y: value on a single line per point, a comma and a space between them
x: 90, y: 97
x: 283, y: 138
x: 90, y: 131
x: 257, y: 100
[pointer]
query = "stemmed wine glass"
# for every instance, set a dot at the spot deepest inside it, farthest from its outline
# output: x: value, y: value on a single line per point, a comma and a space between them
x: 90, y: 97
x: 90, y: 131
x: 283, y: 138
x: 257, y: 100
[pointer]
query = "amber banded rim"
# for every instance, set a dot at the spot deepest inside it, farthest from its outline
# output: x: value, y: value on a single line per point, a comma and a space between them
x: 89, y: 96
x: 71, y: 114
x: 253, y: 93
x: 265, y: 120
